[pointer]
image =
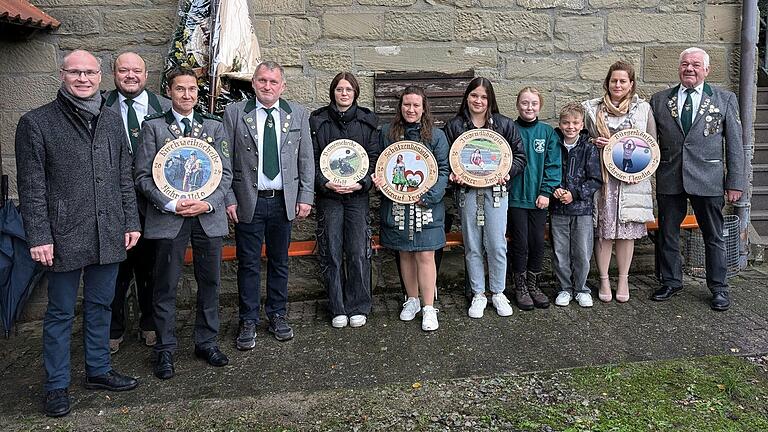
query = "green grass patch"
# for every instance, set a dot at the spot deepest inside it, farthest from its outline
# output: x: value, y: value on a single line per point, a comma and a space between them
x: 707, y: 394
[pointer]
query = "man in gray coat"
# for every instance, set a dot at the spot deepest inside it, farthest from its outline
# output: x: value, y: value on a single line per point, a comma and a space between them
x: 79, y: 208
x: 132, y: 101
x: 702, y: 161
x: 274, y: 171
x: 174, y: 222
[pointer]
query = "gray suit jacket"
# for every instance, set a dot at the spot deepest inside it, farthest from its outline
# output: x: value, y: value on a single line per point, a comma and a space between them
x: 711, y: 157
x: 158, y: 130
x: 156, y: 104
x: 297, y: 160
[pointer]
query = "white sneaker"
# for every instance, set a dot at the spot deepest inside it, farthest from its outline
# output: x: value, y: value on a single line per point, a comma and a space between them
x: 429, y: 319
x: 357, y: 320
x: 476, y: 309
x: 339, y: 321
x: 563, y: 299
x: 584, y: 299
x: 501, y: 303
x: 411, y: 307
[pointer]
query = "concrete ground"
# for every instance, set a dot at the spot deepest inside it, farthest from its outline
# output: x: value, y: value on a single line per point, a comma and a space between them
x: 387, y: 350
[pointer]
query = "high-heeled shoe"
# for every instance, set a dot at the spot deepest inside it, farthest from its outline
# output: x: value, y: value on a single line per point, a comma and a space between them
x: 622, y: 289
x: 604, y: 292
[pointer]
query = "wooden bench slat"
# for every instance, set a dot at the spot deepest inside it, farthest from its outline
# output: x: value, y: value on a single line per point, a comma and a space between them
x: 453, y: 239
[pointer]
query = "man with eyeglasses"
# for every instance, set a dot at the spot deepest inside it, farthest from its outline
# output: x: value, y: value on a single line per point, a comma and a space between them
x: 702, y: 161
x: 133, y: 102
x: 78, y: 203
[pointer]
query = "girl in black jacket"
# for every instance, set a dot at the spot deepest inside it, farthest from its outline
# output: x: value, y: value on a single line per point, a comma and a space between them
x: 343, y: 222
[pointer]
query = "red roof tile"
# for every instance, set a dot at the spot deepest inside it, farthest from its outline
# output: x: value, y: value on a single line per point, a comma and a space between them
x: 22, y: 13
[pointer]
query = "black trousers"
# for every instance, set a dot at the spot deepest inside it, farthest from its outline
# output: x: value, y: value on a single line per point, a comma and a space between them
x: 139, y: 264
x: 344, y: 249
x: 709, y: 215
x: 525, y: 229
x: 168, y: 265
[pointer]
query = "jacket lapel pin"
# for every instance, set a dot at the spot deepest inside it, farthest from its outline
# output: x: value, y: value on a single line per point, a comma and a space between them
x: 672, y: 104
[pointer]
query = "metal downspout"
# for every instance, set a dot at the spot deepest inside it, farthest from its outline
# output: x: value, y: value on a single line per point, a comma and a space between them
x: 747, y: 100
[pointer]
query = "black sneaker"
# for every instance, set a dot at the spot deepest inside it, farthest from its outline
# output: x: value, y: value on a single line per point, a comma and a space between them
x: 279, y: 327
x: 246, y: 336
x: 57, y: 403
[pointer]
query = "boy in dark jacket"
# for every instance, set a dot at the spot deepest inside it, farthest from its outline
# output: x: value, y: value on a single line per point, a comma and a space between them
x: 571, y: 209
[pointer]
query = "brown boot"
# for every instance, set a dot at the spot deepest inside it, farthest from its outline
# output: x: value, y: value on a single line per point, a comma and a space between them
x: 540, y: 300
x: 522, y: 298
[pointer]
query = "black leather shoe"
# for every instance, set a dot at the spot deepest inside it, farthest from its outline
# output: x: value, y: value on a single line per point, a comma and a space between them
x: 164, y: 365
x: 212, y: 355
x: 279, y: 327
x: 665, y: 293
x: 246, y: 336
x: 720, y: 301
x: 57, y: 403
x: 112, y: 381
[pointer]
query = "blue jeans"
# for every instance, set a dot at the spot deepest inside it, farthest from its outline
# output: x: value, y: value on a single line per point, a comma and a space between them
x: 344, y: 247
x: 488, y: 240
x: 269, y: 226
x: 98, y: 291
x: 572, y: 239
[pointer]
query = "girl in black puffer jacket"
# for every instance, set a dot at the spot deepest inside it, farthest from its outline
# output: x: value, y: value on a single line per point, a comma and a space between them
x: 343, y: 222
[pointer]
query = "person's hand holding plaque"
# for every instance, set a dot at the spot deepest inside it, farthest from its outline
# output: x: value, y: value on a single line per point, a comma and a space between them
x: 191, y: 208
x: 456, y: 179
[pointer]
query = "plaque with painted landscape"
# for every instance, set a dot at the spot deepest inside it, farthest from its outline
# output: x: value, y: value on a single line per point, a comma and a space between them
x: 344, y: 162
x: 631, y: 155
x: 409, y: 169
x: 480, y: 157
x: 187, y: 168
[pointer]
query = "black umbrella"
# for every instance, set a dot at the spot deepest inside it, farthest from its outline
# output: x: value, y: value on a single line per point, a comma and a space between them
x: 18, y: 273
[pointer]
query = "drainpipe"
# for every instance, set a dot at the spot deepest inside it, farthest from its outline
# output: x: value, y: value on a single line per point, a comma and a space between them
x: 747, y: 94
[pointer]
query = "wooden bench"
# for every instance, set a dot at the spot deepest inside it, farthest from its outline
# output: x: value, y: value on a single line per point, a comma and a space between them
x: 453, y: 239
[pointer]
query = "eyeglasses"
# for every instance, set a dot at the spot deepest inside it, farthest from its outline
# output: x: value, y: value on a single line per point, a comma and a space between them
x: 74, y: 73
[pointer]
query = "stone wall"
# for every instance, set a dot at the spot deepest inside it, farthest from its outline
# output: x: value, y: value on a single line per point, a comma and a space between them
x: 564, y: 47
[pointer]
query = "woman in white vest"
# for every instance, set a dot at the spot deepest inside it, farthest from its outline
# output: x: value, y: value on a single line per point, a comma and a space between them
x: 621, y: 208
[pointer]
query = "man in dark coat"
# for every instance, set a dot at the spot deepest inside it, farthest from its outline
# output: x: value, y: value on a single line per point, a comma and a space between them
x: 132, y: 101
x: 702, y: 161
x: 79, y: 208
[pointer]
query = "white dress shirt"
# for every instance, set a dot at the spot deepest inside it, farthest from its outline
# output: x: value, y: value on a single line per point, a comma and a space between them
x: 695, y: 99
x: 261, y: 116
x: 140, y: 105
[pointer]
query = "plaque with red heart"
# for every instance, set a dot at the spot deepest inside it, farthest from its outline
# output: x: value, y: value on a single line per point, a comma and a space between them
x: 409, y: 169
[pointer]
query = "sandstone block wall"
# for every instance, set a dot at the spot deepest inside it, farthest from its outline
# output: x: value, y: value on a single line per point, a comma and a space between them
x: 561, y: 46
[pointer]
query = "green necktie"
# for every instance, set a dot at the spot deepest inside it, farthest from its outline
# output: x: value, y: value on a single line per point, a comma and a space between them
x: 187, y: 127
x: 133, y: 125
x: 271, y: 161
x: 687, y: 118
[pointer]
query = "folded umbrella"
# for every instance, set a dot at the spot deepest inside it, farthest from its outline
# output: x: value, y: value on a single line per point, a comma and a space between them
x: 18, y: 272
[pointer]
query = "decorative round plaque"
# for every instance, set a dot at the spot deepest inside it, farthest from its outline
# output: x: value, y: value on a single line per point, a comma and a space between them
x: 409, y: 170
x: 344, y: 162
x: 631, y: 155
x: 187, y: 168
x: 480, y: 157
